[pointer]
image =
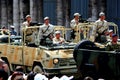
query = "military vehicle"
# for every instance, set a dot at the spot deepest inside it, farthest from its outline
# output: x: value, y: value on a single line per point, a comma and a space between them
x: 50, y: 59
x: 95, y: 61
x: 84, y: 31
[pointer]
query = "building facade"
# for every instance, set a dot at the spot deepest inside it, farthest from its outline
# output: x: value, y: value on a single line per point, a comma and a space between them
x: 13, y: 12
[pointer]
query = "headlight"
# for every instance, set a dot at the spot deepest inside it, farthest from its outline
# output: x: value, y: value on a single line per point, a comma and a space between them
x: 55, y: 61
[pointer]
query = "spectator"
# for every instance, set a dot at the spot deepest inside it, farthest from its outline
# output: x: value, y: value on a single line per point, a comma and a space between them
x: 17, y: 76
x: 88, y: 78
x: 31, y: 76
x: 3, y: 75
x: 19, y: 69
x: 40, y: 77
x: 3, y: 65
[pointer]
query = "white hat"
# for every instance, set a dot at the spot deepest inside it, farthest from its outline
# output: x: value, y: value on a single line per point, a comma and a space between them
x: 101, y: 79
x: 57, y: 32
x: 110, y: 31
x: 101, y: 14
x: 40, y: 77
x: 27, y: 16
x: 46, y: 18
x: 12, y: 26
x: 77, y: 14
x: 55, y: 78
x: 66, y: 78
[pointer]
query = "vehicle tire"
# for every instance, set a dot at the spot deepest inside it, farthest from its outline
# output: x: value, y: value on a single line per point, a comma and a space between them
x: 37, y: 69
x: 85, y: 44
x: 82, y: 57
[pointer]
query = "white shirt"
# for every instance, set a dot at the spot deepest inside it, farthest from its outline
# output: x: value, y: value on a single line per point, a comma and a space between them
x: 100, y: 27
x: 73, y: 23
x: 43, y: 31
x: 58, y: 41
x: 25, y: 24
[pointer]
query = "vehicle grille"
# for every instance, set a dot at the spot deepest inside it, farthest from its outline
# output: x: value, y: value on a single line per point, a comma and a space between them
x: 67, y: 62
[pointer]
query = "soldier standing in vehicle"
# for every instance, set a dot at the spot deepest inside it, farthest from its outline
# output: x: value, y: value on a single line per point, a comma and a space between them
x: 113, y: 45
x: 58, y: 39
x: 100, y: 29
x: 45, y: 32
x: 27, y: 22
x: 75, y: 26
x: 24, y: 26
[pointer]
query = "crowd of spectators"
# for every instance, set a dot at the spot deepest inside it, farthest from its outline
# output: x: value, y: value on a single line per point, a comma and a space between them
x: 18, y: 74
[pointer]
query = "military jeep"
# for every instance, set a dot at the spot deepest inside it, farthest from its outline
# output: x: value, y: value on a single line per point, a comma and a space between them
x: 50, y: 59
x: 55, y: 59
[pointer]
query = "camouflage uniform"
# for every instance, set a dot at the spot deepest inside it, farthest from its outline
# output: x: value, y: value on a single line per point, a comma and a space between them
x: 112, y: 47
x: 99, y: 29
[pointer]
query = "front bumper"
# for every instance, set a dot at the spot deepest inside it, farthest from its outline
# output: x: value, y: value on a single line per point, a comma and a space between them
x: 62, y: 70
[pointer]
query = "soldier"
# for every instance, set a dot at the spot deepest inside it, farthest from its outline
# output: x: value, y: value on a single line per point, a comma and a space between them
x: 113, y: 45
x: 74, y: 25
x: 58, y: 39
x: 4, y: 31
x: 75, y: 21
x: 12, y: 31
x: 109, y: 37
x: 27, y: 22
x: 45, y: 32
x: 24, y: 26
x: 100, y: 29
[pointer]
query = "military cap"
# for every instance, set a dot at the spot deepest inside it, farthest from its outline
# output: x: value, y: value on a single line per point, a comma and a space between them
x: 77, y: 14
x: 28, y: 16
x: 12, y: 26
x: 46, y: 18
x: 57, y: 32
x: 113, y: 35
x: 101, y: 14
x: 110, y: 31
